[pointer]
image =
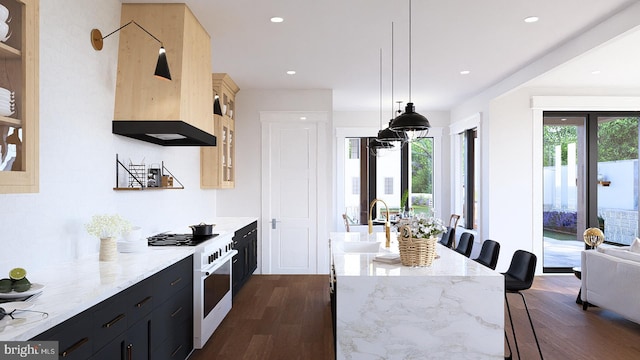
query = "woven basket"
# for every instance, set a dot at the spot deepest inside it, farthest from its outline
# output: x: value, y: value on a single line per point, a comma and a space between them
x: 416, y: 252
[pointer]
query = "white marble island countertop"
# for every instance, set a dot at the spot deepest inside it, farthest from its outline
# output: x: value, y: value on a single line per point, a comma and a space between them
x: 451, y: 309
x: 448, y: 263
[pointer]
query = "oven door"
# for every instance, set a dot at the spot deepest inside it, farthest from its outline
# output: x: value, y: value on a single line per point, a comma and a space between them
x: 212, y: 297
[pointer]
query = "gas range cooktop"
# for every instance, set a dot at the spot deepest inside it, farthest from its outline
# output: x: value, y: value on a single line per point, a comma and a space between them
x: 177, y: 239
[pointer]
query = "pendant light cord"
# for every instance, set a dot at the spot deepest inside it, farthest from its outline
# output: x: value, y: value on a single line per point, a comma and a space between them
x: 392, y: 113
x: 380, y: 88
x: 409, y: 50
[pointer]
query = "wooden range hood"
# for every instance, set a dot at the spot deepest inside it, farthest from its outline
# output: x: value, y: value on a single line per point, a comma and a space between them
x: 172, y: 113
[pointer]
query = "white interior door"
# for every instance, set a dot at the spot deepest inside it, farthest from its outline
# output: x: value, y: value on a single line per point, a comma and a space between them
x: 290, y: 197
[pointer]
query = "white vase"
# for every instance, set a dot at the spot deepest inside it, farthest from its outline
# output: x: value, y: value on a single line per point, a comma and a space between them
x: 108, y: 249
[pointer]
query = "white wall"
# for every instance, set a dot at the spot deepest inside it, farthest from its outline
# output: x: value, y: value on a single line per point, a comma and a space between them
x: 77, y: 149
x: 245, y: 198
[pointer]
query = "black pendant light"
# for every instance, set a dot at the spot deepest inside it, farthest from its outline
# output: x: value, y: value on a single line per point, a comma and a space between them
x: 388, y: 135
x: 375, y: 145
x: 415, y: 125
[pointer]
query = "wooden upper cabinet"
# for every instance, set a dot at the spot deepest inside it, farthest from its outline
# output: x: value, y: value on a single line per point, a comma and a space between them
x: 142, y: 96
x: 19, y: 133
x: 217, y: 164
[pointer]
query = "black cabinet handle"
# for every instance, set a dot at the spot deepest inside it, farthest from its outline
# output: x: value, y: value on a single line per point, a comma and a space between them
x: 176, y: 281
x: 176, y: 312
x: 141, y: 303
x: 114, y: 321
x: 74, y: 347
x: 176, y: 351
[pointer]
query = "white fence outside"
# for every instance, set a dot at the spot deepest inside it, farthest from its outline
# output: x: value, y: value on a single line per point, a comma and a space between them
x: 617, y: 202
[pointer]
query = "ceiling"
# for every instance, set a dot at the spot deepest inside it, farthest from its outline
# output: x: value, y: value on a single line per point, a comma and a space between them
x: 335, y: 44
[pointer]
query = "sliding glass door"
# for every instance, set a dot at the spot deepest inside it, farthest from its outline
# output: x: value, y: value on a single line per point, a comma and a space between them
x: 590, y: 180
x: 564, y: 217
x: 617, y: 178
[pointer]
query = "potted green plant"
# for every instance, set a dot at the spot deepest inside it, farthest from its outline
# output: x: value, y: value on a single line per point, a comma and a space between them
x: 403, y: 202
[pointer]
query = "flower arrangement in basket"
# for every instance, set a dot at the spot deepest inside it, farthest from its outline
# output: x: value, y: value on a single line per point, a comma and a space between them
x: 107, y: 228
x: 417, y: 241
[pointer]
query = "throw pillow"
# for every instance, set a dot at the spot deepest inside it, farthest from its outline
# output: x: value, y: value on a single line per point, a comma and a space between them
x: 635, y: 246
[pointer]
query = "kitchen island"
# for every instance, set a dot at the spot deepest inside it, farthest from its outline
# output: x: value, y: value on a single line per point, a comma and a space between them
x: 451, y: 309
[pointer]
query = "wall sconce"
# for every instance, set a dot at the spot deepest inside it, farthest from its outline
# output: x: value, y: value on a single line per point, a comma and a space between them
x: 216, y: 105
x: 162, y: 67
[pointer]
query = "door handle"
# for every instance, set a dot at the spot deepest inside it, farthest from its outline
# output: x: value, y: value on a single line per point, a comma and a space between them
x: 273, y: 223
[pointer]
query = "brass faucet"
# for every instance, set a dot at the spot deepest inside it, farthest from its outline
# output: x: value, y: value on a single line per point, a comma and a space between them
x: 387, y: 224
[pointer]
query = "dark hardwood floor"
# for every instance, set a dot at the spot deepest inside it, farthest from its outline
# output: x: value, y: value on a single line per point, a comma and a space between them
x: 289, y: 317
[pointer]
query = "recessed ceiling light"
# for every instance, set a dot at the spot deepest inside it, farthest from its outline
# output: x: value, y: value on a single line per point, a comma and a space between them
x: 563, y: 119
x: 303, y: 118
x: 465, y: 72
x: 531, y: 19
x: 291, y: 72
x: 595, y: 72
x: 276, y: 19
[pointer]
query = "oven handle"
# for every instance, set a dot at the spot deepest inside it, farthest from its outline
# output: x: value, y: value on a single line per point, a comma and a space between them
x: 215, y: 265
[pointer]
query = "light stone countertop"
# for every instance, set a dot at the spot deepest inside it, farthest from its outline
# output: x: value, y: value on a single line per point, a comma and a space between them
x: 453, y: 309
x: 449, y: 263
x: 75, y: 286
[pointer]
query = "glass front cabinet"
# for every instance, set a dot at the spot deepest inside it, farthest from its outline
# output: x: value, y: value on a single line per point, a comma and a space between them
x: 19, y: 96
x: 217, y: 163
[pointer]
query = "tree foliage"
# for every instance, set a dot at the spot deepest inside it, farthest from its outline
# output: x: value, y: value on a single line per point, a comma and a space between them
x: 422, y: 166
x: 554, y: 136
x: 617, y: 140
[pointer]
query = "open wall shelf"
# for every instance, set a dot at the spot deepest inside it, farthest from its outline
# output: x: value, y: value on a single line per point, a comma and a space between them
x: 139, y: 177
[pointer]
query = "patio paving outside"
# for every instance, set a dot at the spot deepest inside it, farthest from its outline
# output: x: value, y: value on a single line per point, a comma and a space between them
x: 562, y: 253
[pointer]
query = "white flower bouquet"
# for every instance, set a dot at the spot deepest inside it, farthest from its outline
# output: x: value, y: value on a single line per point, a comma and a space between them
x: 106, y: 226
x: 424, y: 228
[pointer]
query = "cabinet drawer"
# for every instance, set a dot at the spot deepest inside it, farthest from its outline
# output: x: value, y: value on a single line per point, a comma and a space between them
x: 140, y: 301
x: 244, y: 233
x: 113, y: 350
x: 109, y: 320
x: 177, y: 346
x: 168, y: 281
x: 170, y: 315
x: 74, y: 337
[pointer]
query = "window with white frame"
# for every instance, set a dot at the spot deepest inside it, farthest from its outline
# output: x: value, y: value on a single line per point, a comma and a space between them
x: 466, y: 172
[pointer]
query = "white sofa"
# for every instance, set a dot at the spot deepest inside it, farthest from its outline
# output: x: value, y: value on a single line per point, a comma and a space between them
x: 609, y: 280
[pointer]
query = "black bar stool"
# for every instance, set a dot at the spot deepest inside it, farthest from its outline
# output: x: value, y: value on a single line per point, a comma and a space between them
x: 465, y: 245
x: 520, y: 277
x: 489, y: 254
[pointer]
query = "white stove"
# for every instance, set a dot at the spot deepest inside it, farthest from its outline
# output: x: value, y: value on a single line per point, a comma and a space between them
x: 212, y: 264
